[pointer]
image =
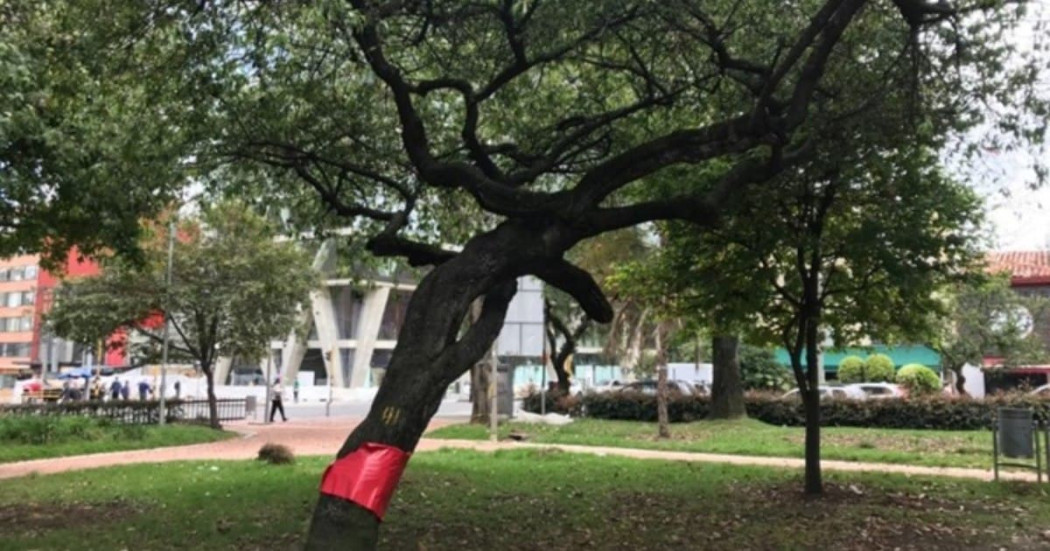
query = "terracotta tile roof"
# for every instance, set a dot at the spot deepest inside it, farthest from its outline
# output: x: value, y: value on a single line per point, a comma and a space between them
x: 1023, y: 266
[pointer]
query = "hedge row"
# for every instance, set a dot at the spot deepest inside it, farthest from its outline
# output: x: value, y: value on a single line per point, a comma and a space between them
x: 936, y: 412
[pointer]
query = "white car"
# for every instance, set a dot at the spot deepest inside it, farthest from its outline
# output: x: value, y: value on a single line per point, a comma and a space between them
x: 833, y: 392
x: 879, y: 391
x: 1041, y: 392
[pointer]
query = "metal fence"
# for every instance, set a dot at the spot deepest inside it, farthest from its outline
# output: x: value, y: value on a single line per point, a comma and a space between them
x: 136, y: 412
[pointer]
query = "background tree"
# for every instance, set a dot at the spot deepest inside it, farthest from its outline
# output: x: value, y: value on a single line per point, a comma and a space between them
x: 759, y: 370
x: 234, y: 289
x: 539, y: 117
x: 984, y: 317
x: 566, y: 322
x: 72, y: 169
x: 644, y: 319
x: 852, y: 245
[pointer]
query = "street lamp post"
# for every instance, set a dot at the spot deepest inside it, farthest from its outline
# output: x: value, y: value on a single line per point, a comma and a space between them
x: 167, y: 316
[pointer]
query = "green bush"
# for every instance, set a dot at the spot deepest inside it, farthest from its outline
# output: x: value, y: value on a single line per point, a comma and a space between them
x: 878, y: 368
x: 759, y: 370
x: 851, y: 370
x: 557, y: 402
x: 929, y: 412
x: 918, y: 379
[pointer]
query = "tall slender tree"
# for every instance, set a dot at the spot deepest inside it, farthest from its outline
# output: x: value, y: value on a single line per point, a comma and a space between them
x: 234, y: 289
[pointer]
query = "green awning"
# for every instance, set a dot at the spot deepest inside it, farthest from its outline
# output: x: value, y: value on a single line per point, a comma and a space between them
x: 901, y: 356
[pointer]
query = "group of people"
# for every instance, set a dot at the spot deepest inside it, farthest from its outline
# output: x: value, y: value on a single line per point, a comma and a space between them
x: 118, y: 390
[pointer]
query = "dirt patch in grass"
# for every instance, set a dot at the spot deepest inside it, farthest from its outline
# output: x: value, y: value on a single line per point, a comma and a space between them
x: 28, y: 518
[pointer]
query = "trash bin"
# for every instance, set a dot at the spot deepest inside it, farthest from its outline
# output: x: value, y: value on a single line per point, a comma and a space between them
x: 1016, y: 431
x: 250, y: 403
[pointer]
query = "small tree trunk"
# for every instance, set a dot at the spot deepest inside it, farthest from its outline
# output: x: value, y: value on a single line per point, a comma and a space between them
x: 213, y: 406
x: 727, y: 391
x: 662, y: 420
x: 480, y: 374
x: 560, y: 363
x: 661, y: 402
x: 960, y: 380
x: 811, y: 402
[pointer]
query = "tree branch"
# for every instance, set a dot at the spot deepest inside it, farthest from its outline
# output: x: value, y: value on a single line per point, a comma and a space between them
x: 580, y: 285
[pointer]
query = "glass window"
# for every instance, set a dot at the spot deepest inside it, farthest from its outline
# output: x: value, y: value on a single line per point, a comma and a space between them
x: 346, y: 355
x: 27, y: 323
x: 14, y: 300
x: 16, y: 274
x: 5, y: 274
x: 381, y: 358
x: 31, y: 272
x: 348, y: 304
x: 394, y: 314
x: 29, y: 297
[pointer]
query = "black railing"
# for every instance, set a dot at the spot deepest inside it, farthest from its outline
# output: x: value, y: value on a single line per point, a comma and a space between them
x: 136, y: 412
x: 196, y: 411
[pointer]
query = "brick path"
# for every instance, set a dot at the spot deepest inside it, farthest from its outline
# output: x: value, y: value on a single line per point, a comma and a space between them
x: 324, y: 436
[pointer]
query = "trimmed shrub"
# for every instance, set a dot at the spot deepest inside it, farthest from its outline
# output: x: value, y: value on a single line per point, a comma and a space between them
x: 918, y: 379
x: 557, y: 402
x: 851, y: 370
x: 878, y: 368
x: 276, y: 454
x: 931, y: 412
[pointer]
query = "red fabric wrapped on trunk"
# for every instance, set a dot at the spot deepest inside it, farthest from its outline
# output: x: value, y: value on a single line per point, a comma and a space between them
x: 367, y: 476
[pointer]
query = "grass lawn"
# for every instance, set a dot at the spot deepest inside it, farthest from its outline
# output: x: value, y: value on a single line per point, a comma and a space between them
x: 39, y: 438
x: 750, y: 437
x: 521, y: 499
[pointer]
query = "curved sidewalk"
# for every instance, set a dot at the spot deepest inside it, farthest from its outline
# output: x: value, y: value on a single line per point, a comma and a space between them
x: 324, y: 436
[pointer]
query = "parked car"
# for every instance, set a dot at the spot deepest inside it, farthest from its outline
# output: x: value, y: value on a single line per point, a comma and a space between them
x: 879, y: 391
x: 610, y: 386
x: 833, y: 392
x: 1042, y: 392
x: 649, y: 387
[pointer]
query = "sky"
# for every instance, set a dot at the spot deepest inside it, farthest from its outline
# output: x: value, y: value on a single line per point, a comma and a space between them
x: 1018, y: 214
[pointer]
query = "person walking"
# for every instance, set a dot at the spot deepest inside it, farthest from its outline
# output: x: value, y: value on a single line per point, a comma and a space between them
x: 277, y: 400
x: 114, y: 389
x: 295, y: 391
x: 125, y: 391
x: 178, y: 389
x: 143, y: 390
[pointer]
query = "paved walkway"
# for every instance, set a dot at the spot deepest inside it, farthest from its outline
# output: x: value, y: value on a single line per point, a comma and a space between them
x: 324, y: 436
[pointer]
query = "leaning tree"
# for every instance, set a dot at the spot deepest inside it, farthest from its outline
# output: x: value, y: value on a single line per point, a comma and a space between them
x: 515, y: 130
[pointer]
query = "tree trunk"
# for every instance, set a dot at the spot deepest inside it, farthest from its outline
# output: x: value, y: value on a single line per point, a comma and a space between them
x: 960, y: 379
x: 213, y: 406
x: 560, y: 364
x: 662, y: 420
x: 811, y: 402
x: 480, y: 373
x: 727, y: 390
x: 429, y: 357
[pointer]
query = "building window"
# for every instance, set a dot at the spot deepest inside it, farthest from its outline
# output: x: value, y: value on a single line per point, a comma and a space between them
x: 29, y: 297
x: 15, y: 350
x: 31, y: 272
x: 394, y: 314
x: 347, y: 303
x: 5, y: 274
x: 26, y: 323
x: 16, y: 274
x: 346, y: 355
x: 14, y: 300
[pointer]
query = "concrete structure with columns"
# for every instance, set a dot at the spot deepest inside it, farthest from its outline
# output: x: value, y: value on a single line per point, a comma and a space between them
x: 352, y: 328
